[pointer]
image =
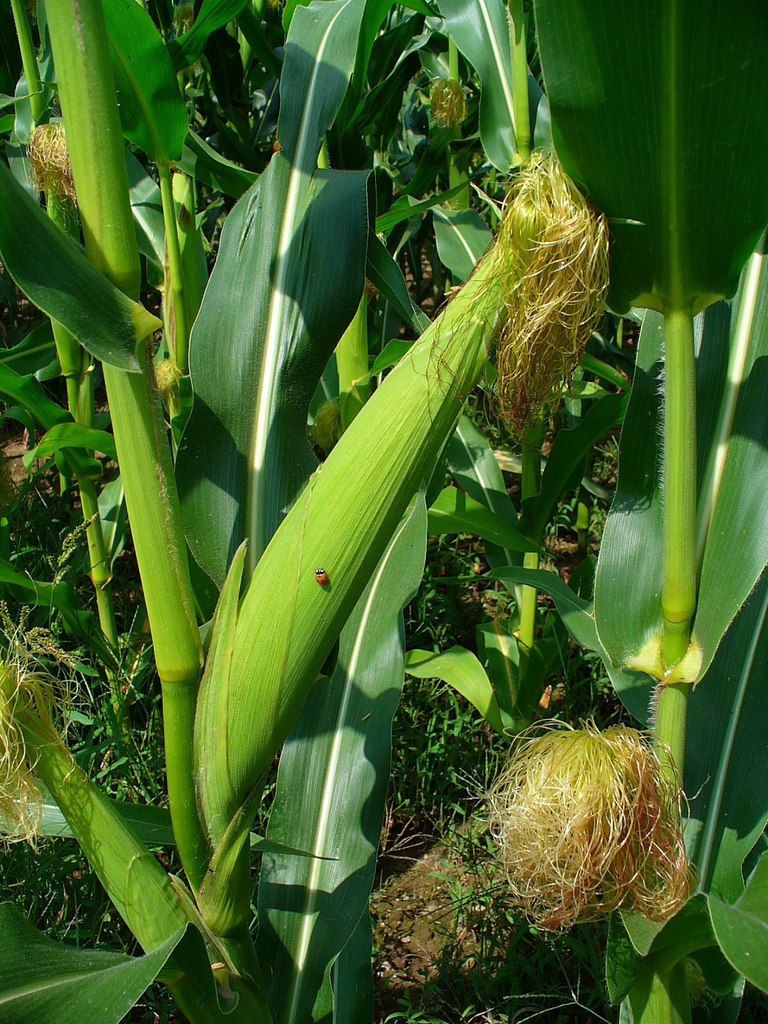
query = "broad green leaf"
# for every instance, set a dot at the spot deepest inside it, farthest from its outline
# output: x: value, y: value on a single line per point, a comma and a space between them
x: 407, y: 207
x: 480, y: 30
x: 331, y: 787
x: 250, y: 25
x: 628, y: 572
x: 352, y: 978
x: 390, y: 355
x: 151, y: 824
x: 733, y: 499
x: 726, y: 753
x: 565, y: 463
x: 53, y: 983
x: 732, y: 431
x: 147, y: 211
x: 460, y: 669
x: 454, y: 511
x: 213, y: 14
x: 461, y: 238
x: 61, y: 597
x: 204, y: 164
x: 36, y: 352
x: 383, y: 272
x: 29, y: 393
x: 255, y: 364
x: 742, y: 928
x: 475, y: 469
x: 393, y: 63
x: 687, y: 932
x: 679, y: 141
x: 633, y: 687
x: 53, y: 271
x: 114, y: 517
x: 72, y: 435
x: 152, y: 111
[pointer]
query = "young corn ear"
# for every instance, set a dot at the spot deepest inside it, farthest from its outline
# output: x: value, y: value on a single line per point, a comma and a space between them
x: 552, y: 253
x: 588, y: 822
x: 49, y: 159
x: 268, y: 656
x: 20, y: 797
x: 446, y: 99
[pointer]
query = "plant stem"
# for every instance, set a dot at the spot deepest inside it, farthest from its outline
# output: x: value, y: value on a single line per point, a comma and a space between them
x: 678, y: 593
x: 136, y: 883
x: 669, y: 733
x: 178, y: 337
x: 76, y: 367
x: 29, y: 60
x: 530, y: 485
x: 94, y: 138
x: 457, y: 171
x: 520, y: 80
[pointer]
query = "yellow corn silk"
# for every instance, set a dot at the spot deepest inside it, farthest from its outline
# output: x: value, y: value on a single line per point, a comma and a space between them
x: 587, y: 822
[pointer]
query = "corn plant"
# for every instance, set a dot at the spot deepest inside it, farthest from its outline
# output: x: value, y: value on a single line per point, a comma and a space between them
x: 309, y: 566
x: 263, y: 652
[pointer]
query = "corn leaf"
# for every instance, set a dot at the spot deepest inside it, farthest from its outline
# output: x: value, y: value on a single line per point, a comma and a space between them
x: 732, y: 429
x: 188, y: 48
x: 686, y: 933
x: 53, y: 983
x: 53, y: 271
x: 460, y: 669
x: 700, y: 161
x: 454, y: 511
x: 331, y: 786
x: 629, y: 567
x: 152, y: 112
x: 726, y: 752
x: 742, y: 928
x: 27, y: 392
x: 33, y: 354
x: 255, y: 358
x: 565, y: 463
x: 633, y: 687
x: 72, y: 435
x: 147, y: 211
x: 352, y: 978
x: 461, y: 238
x: 204, y: 164
x: 480, y: 30
x: 727, y: 812
x: 733, y: 500
x: 475, y: 469
x: 384, y: 272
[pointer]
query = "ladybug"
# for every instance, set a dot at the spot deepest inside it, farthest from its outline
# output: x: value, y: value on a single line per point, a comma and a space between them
x: 322, y: 577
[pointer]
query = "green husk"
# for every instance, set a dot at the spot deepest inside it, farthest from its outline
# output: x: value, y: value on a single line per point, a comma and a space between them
x: 287, y: 623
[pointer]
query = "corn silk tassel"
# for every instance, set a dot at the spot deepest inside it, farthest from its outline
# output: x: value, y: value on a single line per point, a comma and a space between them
x: 588, y: 822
